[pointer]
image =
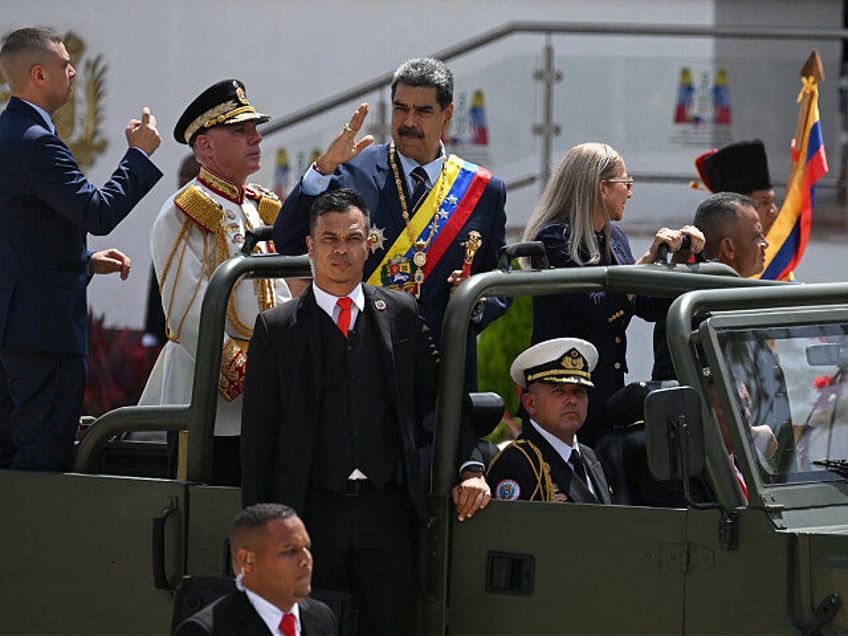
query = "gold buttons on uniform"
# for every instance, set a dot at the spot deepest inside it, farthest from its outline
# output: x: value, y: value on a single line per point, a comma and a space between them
x: 616, y: 315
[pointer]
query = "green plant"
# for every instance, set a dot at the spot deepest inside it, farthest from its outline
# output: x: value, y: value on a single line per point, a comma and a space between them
x: 118, y: 367
x: 497, y: 347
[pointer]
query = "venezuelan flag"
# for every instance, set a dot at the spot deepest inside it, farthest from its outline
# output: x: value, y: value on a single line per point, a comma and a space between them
x: 789, y: 235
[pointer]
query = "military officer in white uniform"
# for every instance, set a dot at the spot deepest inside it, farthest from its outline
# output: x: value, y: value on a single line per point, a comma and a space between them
x: 198, y: 228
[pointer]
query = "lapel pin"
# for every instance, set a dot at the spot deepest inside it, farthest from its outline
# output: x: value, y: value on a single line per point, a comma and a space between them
x: 380, y: 305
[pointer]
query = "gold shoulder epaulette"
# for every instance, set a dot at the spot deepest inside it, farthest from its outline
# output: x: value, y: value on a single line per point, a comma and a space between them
x: 269, y: 203
x: 200, y: 207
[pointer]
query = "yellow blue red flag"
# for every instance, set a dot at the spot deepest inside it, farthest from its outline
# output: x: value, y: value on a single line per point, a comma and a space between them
x: 791, y: 230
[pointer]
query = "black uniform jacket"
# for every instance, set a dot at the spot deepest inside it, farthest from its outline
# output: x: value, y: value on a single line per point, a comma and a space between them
x: 530, y: 468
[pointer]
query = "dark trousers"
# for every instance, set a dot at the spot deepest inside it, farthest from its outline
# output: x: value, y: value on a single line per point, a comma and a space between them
x: 365, y: 545
x: 41, y: 398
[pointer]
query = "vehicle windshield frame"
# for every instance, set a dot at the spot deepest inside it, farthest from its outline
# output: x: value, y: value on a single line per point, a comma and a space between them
x: 739, y: 358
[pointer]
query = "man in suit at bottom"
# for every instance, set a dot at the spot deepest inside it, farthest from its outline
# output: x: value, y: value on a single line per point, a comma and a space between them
x: 270, y: 550
x: 547, y: 463
x: 337, y: 388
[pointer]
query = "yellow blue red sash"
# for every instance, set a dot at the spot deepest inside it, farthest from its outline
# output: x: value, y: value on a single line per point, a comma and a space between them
x: 464, y: 184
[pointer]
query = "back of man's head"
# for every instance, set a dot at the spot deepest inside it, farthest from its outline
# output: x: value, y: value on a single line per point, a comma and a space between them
x: 22, y: 49
x: 717, y: 217
x: 337, y: 201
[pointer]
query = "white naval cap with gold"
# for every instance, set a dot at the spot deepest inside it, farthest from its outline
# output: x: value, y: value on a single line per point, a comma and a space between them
x: 559, y: 360
x: 222, y: 104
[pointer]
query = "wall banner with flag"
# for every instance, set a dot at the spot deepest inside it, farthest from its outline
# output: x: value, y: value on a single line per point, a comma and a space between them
x: 791, y: 230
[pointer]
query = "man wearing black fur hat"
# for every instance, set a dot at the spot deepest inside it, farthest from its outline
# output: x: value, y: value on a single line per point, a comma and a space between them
x: 198, y: 228
x: 547, y: 463
x: 741, y: 167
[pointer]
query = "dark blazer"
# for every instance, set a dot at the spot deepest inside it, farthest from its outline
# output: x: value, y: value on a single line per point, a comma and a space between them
x: 370, y: 174
x: 599, y: 317
x: 233, y: 615
x: 282, y: 392
x: 518, y: 465
x: 47, y: 207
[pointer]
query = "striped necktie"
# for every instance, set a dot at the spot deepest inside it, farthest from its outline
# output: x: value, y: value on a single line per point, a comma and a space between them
x: 419, y: 192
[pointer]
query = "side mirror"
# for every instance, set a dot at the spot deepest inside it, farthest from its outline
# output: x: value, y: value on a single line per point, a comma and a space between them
x: 674, y: 433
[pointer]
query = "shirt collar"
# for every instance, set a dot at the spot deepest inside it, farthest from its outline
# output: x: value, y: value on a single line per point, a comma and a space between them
x: 327, y: 302
x: 222, y: 186
x: 47, y: 121
x: 433, y: 168
x: 270, y: 614
x: 560, y: 447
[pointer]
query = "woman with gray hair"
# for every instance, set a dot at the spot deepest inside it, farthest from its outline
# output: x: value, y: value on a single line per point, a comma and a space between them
x: 575, y: 219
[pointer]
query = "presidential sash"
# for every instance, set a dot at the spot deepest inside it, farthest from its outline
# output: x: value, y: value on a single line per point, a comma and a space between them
x: 435, y: 224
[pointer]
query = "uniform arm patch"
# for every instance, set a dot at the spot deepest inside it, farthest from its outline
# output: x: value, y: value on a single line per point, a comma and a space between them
x: 508, y: 490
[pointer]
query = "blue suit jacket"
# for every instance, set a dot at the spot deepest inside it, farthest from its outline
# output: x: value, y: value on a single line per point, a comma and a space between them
x: 600, y: 317
x: 370, y: 174
x: 47, y: 207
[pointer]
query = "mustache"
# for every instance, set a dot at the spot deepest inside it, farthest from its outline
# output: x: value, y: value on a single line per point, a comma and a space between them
x: 408, y: 131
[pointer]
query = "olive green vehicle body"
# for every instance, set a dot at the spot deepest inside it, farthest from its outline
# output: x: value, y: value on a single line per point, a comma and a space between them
x: 101, y: 549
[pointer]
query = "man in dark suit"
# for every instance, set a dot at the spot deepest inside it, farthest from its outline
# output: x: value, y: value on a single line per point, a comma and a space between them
x: 418, y: 232
x: 733, y: 235
x: 337, y: 387
x: 270, y: 551
x: 48, y: 207
x: 547, y: 463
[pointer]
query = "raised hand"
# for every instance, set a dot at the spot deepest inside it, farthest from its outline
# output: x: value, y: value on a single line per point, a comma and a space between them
x: 345, y: 147
x: 143, y: 134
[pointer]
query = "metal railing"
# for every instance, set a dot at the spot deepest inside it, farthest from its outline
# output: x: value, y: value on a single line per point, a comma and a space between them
x: 547, y: 129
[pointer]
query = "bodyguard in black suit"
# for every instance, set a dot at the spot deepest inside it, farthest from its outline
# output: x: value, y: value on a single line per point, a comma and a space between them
x: 332, y: 422
x: 271, y: 553
x: 547, y: 463
x: 48, y: 207
x: 233, y: 615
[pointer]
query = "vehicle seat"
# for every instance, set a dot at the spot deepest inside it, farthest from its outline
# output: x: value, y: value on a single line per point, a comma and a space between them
x: 487, y: 409
x: 624, y: 452
x: 610, y: 450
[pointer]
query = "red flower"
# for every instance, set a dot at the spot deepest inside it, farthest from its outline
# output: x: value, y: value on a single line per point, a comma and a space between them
x: 821, y: 382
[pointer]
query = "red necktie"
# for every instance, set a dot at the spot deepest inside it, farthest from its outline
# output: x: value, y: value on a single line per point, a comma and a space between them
x: 287, y: 625
x: 344, y: 315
